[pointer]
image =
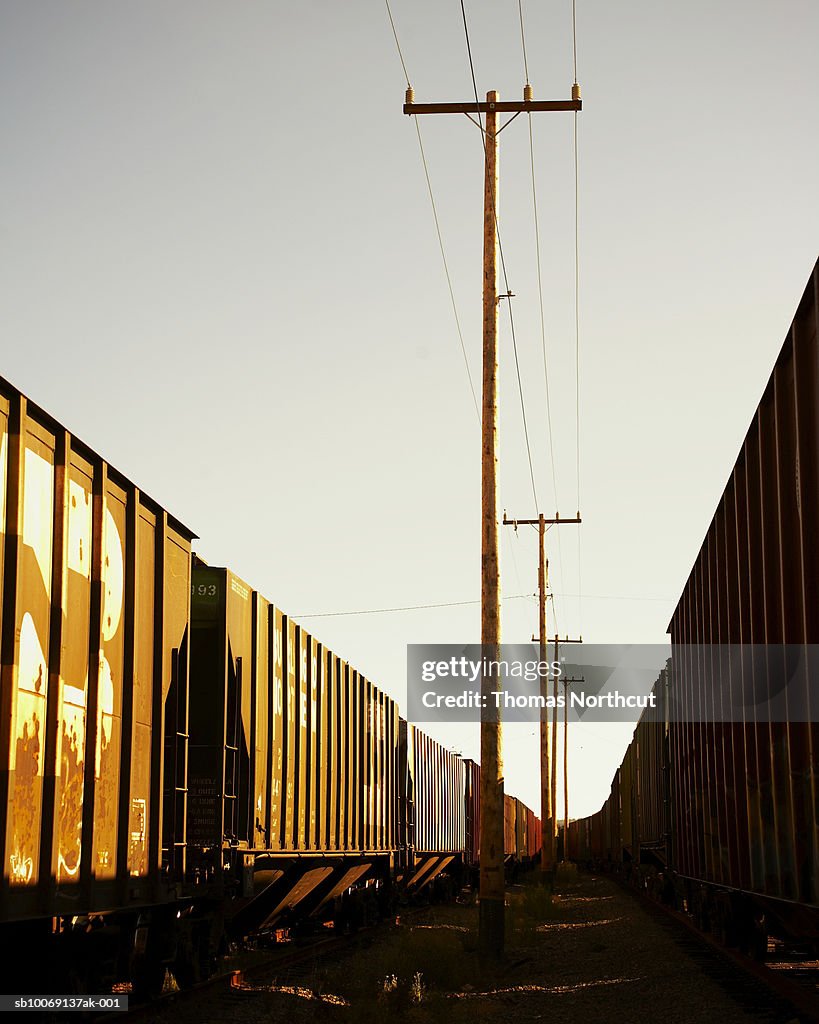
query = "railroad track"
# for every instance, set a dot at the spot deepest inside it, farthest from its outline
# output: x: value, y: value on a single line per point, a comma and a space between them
x: 287, y: 970
x: 779, y: 989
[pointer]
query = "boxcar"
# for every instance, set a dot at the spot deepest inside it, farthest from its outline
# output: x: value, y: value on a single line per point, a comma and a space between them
x: 728, y: 810
x: 93, y: 705
x: 533, y: 835
x: 293, y: 761
x: 472, y: 781
x: 433, y: 807
x: 746, y: 791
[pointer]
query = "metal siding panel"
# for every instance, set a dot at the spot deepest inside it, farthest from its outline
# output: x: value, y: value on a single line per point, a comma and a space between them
x: 780, y: 884
x: 806, y: 371
x: 139, y: 804
x: 109, y: 699
x: 261, y: 722
x: 347, y: 754
x: 290, y: 734
x: 795, y: 734
x: 732, y: 631
x: 313, y: 754
x: 71, y: 732
x: 277, y: 760
x: 29, y: 688
x: 325, y: 753
x: 334, y: 764
x: 355, y: 760
x: 176, y: 603
x: 208, y: 671
x: 760, y: 776
x: 301, y: 730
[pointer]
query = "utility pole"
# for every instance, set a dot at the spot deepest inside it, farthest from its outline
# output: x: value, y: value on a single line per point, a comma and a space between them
x: 566, y: 764
x: 492, y: 890
x: 553, y: 786
x: 548, y: 809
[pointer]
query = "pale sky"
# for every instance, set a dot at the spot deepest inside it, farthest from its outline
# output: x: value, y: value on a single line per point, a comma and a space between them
x: 220, y: 270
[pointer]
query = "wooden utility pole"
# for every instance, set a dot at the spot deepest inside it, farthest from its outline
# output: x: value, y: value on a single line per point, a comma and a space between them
x: 553, y: 752
x: 492, y: 890
x: 553, y: 781
x: 566, y: 765
x: 548, y: 808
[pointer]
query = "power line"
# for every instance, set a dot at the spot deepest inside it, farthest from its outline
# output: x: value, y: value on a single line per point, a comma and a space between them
x: 540, y: 300
x: 397, y: 44
x: 523, y: 43
x: 542, y: 314
x: 503, y: 264
x: 446, y: 270
x: 437, y: 222
x: 405, y: 608
x: 577, y: 307
x: 462, y: 604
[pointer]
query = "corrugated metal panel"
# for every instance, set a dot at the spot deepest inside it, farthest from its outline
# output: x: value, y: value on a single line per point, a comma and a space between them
x: 277, y: 625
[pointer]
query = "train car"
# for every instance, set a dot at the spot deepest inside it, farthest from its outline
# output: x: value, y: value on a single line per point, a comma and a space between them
x: 746, y: 824
x: 433, y: 831
x: 95, y: 588
x: 633, y: 825
x: 533, y: 835
x: 725, y: 811
x: 509, y: 822
x: 293, y: 762
x: 652, y: 794
x: 522, y: 827
x: 182, y: 762
x: 472, y: 784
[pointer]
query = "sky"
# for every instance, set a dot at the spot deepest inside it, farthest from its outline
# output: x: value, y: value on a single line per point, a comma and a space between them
x: 219, y: 268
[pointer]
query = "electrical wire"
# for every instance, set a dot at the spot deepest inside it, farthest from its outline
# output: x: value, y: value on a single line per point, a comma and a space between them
x: 397, y: 44
x: 577, y: 314
x: 523, y: 41
x: 437, y: 222
x: 406, y: 608
x: 540, y: 301
x: 503, y: 262
x: 446, y: 271
x: 542, y: 314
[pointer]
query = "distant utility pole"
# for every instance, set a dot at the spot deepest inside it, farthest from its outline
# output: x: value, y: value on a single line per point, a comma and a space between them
x: 553, y: 787
x: 566, y: 765
x: 492, y: 891
x: 547, y: 805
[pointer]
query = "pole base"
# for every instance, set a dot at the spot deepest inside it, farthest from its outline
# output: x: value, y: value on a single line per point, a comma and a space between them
x: 491, y: 927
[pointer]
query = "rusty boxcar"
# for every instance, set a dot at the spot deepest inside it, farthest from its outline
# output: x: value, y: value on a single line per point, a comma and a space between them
x: 727, y: 807
x: 747, y: 791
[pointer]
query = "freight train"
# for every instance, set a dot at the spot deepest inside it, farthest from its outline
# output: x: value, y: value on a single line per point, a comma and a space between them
x: 181, y: 762
x: 721, y: 815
